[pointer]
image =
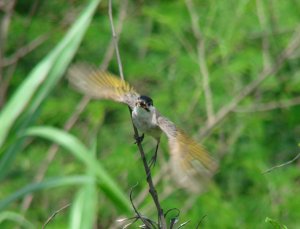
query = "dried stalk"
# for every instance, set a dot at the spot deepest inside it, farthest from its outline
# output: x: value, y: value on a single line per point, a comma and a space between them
x: 201, y: 60
x: 54, y: 214
x: 248, y: 89
x: 152, y: 190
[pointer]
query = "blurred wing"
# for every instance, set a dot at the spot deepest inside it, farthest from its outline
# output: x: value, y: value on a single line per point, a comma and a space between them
x: 192, y: 166
x: 101, y: 85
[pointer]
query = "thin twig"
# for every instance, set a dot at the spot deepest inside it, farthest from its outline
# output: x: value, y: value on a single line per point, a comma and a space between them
x: 21, y: 40
x: 54, y: 214
x: 23, y: 51
x: 5, y: 22
x: 147, y: 223
x: 111, y: 47
x: 248, y: 89
x: 52, y: 151
x: 115, y: 40
x: 277, y: 32
x: 152, y: 190
x: 269, y: 106
x: 281, y: 165
x: 12, y: 62
x: 183, y: 224
x: 138, y: 215
x: 265, y: 38
x: 200, y: 222
x: 201, y: 60
x: 174, y: 219
x: 142, y: 196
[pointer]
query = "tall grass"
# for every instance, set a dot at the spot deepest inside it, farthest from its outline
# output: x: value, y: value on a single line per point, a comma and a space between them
x: 20, y: 113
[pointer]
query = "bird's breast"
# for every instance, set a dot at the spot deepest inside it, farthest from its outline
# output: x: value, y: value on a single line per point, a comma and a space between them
x: 145, y: 122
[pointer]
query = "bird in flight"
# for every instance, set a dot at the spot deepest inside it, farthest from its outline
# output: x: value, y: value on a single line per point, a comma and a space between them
x: 192, y: 167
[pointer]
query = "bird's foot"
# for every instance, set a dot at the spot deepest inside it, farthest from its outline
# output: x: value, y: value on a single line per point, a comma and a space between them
x: 154, y: 157
x: 138, y: 139
x: 152, y: 161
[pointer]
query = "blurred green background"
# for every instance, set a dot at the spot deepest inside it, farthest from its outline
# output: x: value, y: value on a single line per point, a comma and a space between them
x: 168, y: 48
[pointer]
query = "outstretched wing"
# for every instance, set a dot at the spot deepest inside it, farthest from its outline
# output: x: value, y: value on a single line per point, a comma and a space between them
x: 192, y: 166
x: 101, y: 85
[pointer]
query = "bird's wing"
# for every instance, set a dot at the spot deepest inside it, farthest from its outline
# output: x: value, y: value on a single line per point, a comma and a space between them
x: 192, y: 166
x: 101, y: 85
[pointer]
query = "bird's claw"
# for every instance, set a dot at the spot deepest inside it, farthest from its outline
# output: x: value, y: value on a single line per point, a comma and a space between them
x: 139, y: 139
x: 154, y: 157
x: 152, y: 161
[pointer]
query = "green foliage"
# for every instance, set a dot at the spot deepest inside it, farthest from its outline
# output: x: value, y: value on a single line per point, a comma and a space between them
x: 159, y: 54
x: 84, y: 211
x: 50, y: 69
x: 75, y: 147
x: 53, y: 182
x: 16, y: 218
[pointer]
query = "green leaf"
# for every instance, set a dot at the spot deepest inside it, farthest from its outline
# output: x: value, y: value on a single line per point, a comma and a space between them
x: 50, y: 183
x: 84, y: 209
x: 45, y: 75
x: 75, y: 147
x: 37, y: 85
x: 16, y: 218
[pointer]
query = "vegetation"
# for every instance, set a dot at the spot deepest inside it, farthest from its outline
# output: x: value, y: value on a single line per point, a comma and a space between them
x: 227, y: 72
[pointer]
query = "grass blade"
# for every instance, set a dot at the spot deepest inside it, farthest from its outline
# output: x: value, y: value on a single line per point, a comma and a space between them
x: 84, y: 209
x: 50, y: 183
x: 51, y: 67
x: 74, y: 146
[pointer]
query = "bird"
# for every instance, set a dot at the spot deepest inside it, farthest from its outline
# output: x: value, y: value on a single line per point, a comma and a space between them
x: 191, y: 165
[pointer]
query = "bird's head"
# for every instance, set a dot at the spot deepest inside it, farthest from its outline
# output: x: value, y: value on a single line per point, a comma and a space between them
x: 144, y: 102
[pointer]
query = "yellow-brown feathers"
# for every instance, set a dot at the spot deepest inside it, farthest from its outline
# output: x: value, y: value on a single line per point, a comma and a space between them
x: 192, y: 166
x: 101, y: 85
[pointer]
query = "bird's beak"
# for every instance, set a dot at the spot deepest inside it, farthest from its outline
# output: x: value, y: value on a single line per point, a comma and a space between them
x: 144, y: 106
